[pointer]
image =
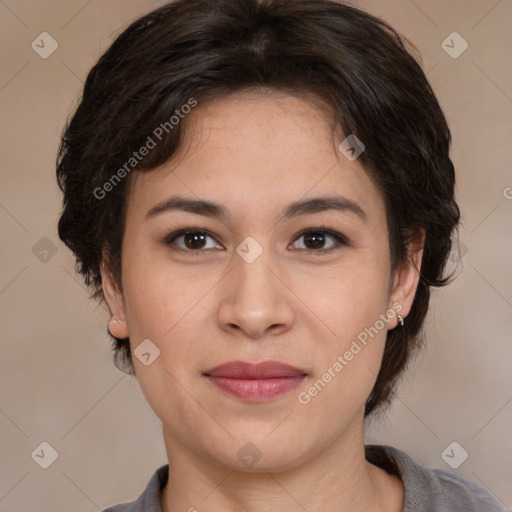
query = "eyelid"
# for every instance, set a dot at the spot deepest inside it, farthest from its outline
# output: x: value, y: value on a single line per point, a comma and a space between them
x: 170, y: 238
x: 340, y: 238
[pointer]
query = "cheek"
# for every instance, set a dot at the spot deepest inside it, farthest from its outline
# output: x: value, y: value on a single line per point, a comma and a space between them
x: 349, y: 299
x: 161, y: 307
x: 348, y: 363
x: 170, y: 308
x: 153, y: 294
x: 155, y: 306
x: 353, y: 304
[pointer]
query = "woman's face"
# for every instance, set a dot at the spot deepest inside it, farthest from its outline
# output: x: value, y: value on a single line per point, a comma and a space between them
x: 255, y: 289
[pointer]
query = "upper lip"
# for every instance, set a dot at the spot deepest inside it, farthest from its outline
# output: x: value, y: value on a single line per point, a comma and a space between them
x: 263, y: 370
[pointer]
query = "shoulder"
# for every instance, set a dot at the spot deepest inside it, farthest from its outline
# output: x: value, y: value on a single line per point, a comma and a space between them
x: 434, y: 490
x: 149, y: 500
x: 460, y: 494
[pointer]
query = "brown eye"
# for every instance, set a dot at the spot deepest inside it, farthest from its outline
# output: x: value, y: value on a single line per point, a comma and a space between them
x: 315, y: 239
x: 194, y: 240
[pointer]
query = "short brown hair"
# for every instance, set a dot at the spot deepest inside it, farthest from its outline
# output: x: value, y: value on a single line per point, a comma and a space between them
x: 203, y: 49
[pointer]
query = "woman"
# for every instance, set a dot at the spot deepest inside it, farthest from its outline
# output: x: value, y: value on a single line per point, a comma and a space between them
x: 261, y: 191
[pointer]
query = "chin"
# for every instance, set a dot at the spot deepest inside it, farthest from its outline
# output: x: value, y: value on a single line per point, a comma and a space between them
x: 261, y: 456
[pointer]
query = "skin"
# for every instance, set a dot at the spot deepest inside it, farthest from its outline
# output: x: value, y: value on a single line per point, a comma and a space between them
x: 255, y: 153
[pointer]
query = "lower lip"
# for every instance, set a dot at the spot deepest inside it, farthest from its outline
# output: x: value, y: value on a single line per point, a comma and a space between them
x: 257, y: 390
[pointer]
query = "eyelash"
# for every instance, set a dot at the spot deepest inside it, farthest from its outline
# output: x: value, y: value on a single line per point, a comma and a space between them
x: 340, y: 239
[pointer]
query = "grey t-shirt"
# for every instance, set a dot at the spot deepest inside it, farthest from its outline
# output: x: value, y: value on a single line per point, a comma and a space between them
x: 426, y: 490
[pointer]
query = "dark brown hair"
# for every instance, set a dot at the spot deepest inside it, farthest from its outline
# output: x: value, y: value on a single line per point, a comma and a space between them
x: 202, y: 49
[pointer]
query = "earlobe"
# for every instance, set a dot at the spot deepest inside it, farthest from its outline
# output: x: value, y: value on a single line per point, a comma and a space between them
x: 117, y: 324
x: 118, y: 328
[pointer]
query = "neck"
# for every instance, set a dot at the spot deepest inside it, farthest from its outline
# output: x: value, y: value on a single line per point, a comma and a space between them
x: 337, y: 478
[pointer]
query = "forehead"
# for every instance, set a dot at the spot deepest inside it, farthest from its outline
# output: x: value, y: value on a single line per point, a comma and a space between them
x: 255, y: 152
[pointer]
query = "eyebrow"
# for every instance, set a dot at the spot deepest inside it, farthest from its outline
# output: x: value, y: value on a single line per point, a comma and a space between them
x: 216, y: 210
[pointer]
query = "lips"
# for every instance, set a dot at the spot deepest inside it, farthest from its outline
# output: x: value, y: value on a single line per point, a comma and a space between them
x: 264, y: 370
x: 256, y: 382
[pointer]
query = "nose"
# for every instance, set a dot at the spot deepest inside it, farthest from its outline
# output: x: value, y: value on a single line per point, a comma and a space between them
x: 256, y: 300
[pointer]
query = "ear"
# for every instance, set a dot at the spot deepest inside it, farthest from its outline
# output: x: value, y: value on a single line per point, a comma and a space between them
x: 117, y: 325
x: 407, y: 276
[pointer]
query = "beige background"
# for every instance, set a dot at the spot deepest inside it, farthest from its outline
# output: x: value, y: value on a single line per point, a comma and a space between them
x: 58, y: 383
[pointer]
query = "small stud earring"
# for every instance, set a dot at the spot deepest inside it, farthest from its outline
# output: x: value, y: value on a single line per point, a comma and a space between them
x: 401, y: 320
x: 113, y: 321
